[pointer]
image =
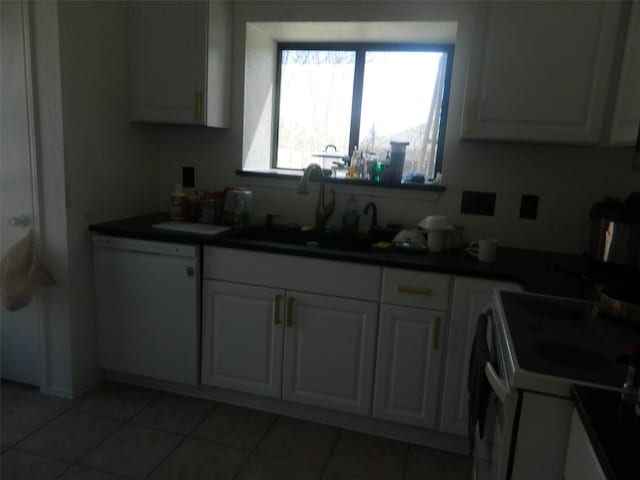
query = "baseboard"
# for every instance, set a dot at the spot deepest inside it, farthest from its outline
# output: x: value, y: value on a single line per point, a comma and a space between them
x: 363, y: 424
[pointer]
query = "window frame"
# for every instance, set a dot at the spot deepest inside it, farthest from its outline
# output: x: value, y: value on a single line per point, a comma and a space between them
x: 360, y: 49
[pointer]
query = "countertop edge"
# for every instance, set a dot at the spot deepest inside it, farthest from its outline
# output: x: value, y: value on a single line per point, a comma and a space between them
x: 533, y: 270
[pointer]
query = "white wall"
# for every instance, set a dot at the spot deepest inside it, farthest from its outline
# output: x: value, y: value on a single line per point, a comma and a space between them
x: 568, y: 179
x: 93, y: 162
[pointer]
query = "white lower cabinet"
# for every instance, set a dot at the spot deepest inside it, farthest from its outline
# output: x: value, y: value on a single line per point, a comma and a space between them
x: 470, y: 297
x: 347, y: 337
x: 408, y: 365
x: 242, y: 335
x: 312, y: 348
x: 328, y: 345
x: 329, y: 352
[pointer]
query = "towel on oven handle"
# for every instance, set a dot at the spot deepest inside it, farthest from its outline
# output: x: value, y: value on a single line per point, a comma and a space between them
x: 479, y: 388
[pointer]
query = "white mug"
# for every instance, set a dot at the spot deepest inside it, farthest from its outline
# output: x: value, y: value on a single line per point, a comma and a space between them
x: 484, y: 250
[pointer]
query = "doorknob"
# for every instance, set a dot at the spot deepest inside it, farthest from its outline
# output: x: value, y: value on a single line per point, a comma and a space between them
x: 20, y: 221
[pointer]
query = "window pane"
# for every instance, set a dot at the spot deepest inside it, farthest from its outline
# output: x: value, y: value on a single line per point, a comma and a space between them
x: 315, y: 105
x: 401, y: 101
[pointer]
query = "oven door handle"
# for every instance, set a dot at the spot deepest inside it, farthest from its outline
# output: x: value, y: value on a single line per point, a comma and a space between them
x: 496, y: 383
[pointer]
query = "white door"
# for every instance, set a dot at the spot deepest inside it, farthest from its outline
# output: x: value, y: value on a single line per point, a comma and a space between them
x: 329, y: 352
x: 408, y: 365
x: 242, y: 337
x: 19, y: 335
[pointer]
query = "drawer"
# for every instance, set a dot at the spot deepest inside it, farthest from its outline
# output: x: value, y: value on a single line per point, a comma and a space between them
x: 415, y: 289
x: 325, y: 277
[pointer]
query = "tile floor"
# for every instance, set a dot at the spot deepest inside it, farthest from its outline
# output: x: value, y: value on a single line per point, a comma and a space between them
x: 119, y: 431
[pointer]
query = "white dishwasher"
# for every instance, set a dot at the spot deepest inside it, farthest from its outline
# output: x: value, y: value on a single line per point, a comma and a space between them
x: 148, y: 307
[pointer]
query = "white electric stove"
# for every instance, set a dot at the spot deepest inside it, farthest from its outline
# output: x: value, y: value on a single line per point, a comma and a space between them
x: 541, y: 345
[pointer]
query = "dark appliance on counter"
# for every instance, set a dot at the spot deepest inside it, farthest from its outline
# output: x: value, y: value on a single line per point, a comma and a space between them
x: 615, y: 231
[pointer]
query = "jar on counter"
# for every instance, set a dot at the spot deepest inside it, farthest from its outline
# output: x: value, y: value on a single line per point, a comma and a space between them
x: 207, y: 210
x: 178, y: 199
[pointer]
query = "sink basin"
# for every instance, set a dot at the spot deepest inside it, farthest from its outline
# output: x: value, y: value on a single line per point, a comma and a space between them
x: 189, y: 227
x: 312, y: 238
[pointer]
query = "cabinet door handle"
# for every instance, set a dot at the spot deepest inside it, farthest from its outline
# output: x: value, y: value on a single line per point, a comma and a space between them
x: 276, y: 320
x: 436, y: 333
x: 199, y: 106
x: 469, y: 116
x: 427, y: 292
x: 290, y: 301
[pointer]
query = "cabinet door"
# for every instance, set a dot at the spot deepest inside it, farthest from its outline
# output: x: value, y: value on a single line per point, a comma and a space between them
x: 626, y: 117
x: 408, y: 365
x: 470, y: 297
x: 540, y: 71
x: 168, y: 61
x: 329, y: 352
x: 242, y: 337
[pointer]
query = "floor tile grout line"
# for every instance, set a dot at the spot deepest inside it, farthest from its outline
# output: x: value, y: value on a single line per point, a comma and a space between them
x: 41, y: 427
x: 184, y: 438
x: 333, y: 449
x: 251, y: 454
x: 406, y: 462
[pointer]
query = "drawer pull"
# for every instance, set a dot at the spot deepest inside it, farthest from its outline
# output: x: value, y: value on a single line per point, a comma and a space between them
x: 276, y: 320
x: 427, y: 292
x: 436, y: 333
x: 290, y: 311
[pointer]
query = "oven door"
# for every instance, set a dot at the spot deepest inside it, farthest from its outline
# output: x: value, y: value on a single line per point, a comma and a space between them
x: 493, y: 451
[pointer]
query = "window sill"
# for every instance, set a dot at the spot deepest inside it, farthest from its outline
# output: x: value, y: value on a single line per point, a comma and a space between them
x: 292, y: 175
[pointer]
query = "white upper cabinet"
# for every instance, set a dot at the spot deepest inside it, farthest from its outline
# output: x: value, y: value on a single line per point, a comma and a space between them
x: 540, y: 71
x: 180, y: 62
x: 626, y: 117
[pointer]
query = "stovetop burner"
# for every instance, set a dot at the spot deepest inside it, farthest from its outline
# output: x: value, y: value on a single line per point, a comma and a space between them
x: 567, y: 338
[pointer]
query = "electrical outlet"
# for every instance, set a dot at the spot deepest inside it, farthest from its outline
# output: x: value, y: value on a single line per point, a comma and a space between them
x: 478, y: 203
x: 529, y: 206
x: 188, y: 177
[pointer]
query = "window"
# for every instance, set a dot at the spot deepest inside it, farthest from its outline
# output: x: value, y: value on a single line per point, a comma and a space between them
x: 362, y: 95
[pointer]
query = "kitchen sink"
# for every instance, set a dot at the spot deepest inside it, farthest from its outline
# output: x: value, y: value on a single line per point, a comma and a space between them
x: 335, y: 240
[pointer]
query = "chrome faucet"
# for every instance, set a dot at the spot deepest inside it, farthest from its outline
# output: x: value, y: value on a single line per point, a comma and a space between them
x: 374, y: 216
x: 323, y: 211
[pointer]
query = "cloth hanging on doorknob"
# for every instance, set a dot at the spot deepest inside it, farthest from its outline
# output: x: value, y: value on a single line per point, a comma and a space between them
x: 22, y: 273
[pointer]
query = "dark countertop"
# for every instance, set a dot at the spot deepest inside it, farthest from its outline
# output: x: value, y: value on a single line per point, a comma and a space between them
x: 614, y: 432
x: 537, y: 272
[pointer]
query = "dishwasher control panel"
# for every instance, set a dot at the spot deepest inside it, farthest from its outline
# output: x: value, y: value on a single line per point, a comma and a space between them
x: 145, y: 246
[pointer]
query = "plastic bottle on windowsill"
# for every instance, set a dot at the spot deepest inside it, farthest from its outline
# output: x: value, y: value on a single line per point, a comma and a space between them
x: 353, y: 163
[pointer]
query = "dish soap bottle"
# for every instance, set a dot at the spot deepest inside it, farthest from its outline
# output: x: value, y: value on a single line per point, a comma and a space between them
x: 350, y: 218
x: 178, y: 198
